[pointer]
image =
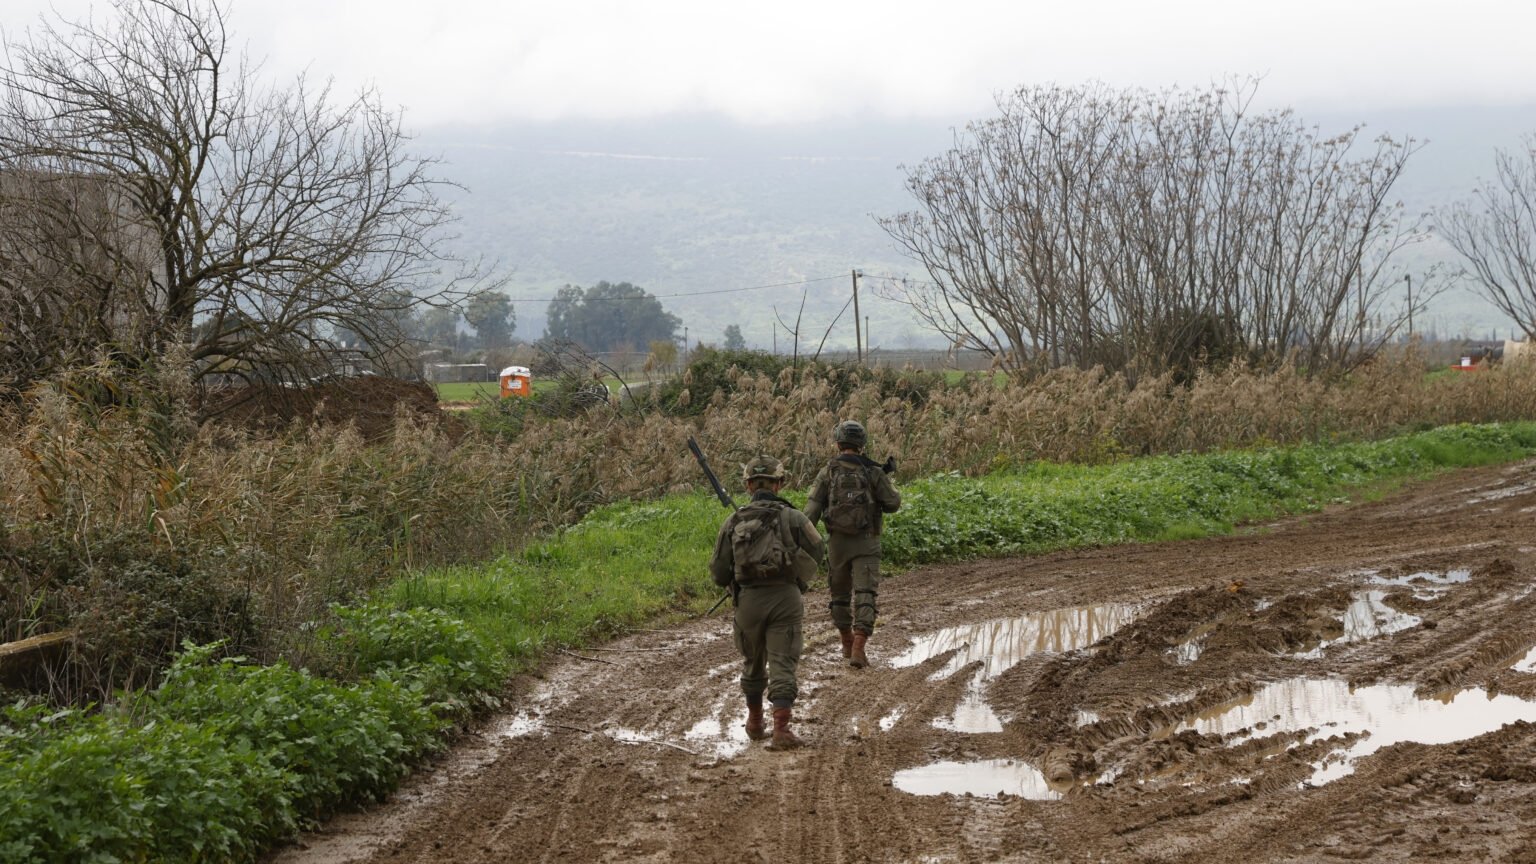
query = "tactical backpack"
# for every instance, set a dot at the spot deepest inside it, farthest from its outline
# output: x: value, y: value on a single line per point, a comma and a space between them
x: 850, y: 498
x: 760, y: 545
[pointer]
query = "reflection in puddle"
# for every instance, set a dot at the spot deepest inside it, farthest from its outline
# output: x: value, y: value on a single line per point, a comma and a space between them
x: 519, y: 724
x: 1386, y: 714
x: 724, y: 737
x: 1366, y: 618
x: 1188, y: 652
x: 1526, y: 663
x: 973, y: 715
x: 1000, y: 644
x: 991, y: 778
x: 1426, y: 585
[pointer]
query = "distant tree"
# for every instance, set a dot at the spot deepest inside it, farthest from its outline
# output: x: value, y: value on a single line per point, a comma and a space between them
x: 606, y: 315
x: 439, y: 326
x: 157, y: 184
x: 493, y: 318
x: 733, y: 339
x: 1496, y: 233
x: 663, y: 355
x: 1142, y: 230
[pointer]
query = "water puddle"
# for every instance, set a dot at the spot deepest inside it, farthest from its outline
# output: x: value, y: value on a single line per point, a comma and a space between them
x: 1193, y: 646
x: 1367, y: 617
x: 889, y: 721
x: 1501, y: 494
x: 1526, y: 663
x: 1383, y: 714
x: 519, y: 725
x: 1426, y: 585
x: 724, y: 737
x: 991, y: 778
x: 1000, y: 644
x: 973, y: 715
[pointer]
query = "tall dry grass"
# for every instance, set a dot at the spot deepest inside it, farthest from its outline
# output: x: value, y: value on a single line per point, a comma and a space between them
x: 126, y: 522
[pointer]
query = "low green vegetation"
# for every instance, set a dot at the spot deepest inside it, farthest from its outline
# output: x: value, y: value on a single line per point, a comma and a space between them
x: 223, y: 757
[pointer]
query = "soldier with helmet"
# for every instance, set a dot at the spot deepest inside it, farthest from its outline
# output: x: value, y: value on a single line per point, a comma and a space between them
x: 850, y: 497
x: 764, y: 553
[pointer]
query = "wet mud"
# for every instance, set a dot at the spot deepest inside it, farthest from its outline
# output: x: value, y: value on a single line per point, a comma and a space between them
x: 1358, y: 684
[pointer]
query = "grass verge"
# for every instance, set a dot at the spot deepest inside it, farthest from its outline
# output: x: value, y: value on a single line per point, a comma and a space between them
x: 226, y: 757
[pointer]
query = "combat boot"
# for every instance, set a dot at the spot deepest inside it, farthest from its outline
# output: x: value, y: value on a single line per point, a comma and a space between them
x: 783, y: 739
x: 755, y: 729
x: 856, y: 657
x: 847, y: 637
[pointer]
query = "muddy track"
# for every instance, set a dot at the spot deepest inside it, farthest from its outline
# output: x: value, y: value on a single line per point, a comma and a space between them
x: 1262, y: 697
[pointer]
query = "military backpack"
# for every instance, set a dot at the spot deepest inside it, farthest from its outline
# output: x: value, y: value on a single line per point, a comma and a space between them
x: 850, y: 498
x: 761, y: 546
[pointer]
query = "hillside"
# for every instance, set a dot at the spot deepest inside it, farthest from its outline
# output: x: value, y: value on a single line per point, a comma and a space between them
x: 696, y: 204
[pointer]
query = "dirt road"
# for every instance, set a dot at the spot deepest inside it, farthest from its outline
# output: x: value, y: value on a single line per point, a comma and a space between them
x: 1350, y: 685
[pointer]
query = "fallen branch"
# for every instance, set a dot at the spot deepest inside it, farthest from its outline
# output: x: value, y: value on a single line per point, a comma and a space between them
x: 588, y: 659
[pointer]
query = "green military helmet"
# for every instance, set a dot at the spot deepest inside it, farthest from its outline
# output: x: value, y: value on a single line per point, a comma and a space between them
x: 850, y: 433
x: 764, y: 467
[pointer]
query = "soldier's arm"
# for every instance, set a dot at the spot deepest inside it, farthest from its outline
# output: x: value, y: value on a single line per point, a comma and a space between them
x: 722, y: 565
x: 808, y: 538
x: 886, y: 496
x: 817, y: 502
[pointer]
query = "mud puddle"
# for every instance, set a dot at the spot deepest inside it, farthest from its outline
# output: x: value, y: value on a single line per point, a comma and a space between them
x: 1001, y: 644
x: 1365, y: 719
x: 1367, y: 617
x: 989, y: 778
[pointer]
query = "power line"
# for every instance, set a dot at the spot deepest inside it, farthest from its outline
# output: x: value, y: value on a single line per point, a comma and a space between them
x: 644, y: 296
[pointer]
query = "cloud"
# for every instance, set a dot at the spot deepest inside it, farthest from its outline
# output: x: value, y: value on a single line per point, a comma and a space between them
x: 467, y: 60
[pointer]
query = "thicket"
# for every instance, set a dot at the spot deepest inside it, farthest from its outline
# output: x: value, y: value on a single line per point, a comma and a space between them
x: 122, y: 520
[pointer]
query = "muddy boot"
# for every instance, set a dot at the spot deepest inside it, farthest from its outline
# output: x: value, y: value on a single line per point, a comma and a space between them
x: 856, y: 657
x: 847, y: 636
x: 755, y: 729
x: 783, y: 739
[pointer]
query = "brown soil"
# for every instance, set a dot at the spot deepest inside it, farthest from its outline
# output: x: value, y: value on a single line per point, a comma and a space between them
x: 593, y: 763
x: 371, y: 403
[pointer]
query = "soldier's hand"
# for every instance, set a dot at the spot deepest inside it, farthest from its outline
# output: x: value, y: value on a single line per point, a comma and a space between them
x: 890, y: 465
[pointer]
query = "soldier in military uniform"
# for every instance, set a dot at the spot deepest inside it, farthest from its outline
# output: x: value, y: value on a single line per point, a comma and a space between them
x: 764, y: 553
x: 850, y: 497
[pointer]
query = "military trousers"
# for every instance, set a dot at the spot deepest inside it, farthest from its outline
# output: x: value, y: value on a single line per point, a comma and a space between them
x: 769, y: 631
x: 853, y: 577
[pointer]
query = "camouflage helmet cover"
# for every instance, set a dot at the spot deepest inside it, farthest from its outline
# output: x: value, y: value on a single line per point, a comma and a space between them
x: 763, y: 466
x: 850, y: 433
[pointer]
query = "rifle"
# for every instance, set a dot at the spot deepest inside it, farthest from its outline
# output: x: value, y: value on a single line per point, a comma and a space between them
x: 725, y: 501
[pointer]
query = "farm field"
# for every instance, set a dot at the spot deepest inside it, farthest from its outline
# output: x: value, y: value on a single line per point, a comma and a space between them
x: 1335, y: 686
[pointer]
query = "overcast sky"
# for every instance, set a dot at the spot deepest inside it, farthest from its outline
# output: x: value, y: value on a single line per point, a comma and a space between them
x: 464, y: 61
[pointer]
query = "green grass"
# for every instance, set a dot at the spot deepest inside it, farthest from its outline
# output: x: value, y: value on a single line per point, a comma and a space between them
x: 626, y: 563
x: 467, y: 391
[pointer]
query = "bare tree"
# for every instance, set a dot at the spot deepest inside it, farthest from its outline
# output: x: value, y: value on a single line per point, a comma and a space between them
x: 1152, y: 231
x: 1496, y: 233
x: 252, y: 221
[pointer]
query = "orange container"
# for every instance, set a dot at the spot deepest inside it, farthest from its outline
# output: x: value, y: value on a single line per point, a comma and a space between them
x: 516, y: 381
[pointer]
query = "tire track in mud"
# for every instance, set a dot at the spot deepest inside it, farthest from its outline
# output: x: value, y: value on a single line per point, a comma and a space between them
x: 591, y: 770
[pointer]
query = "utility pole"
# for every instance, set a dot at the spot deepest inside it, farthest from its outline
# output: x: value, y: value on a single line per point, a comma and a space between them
x: 1408, y: 277
x: 858, y: 337
x: 685, y: 345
